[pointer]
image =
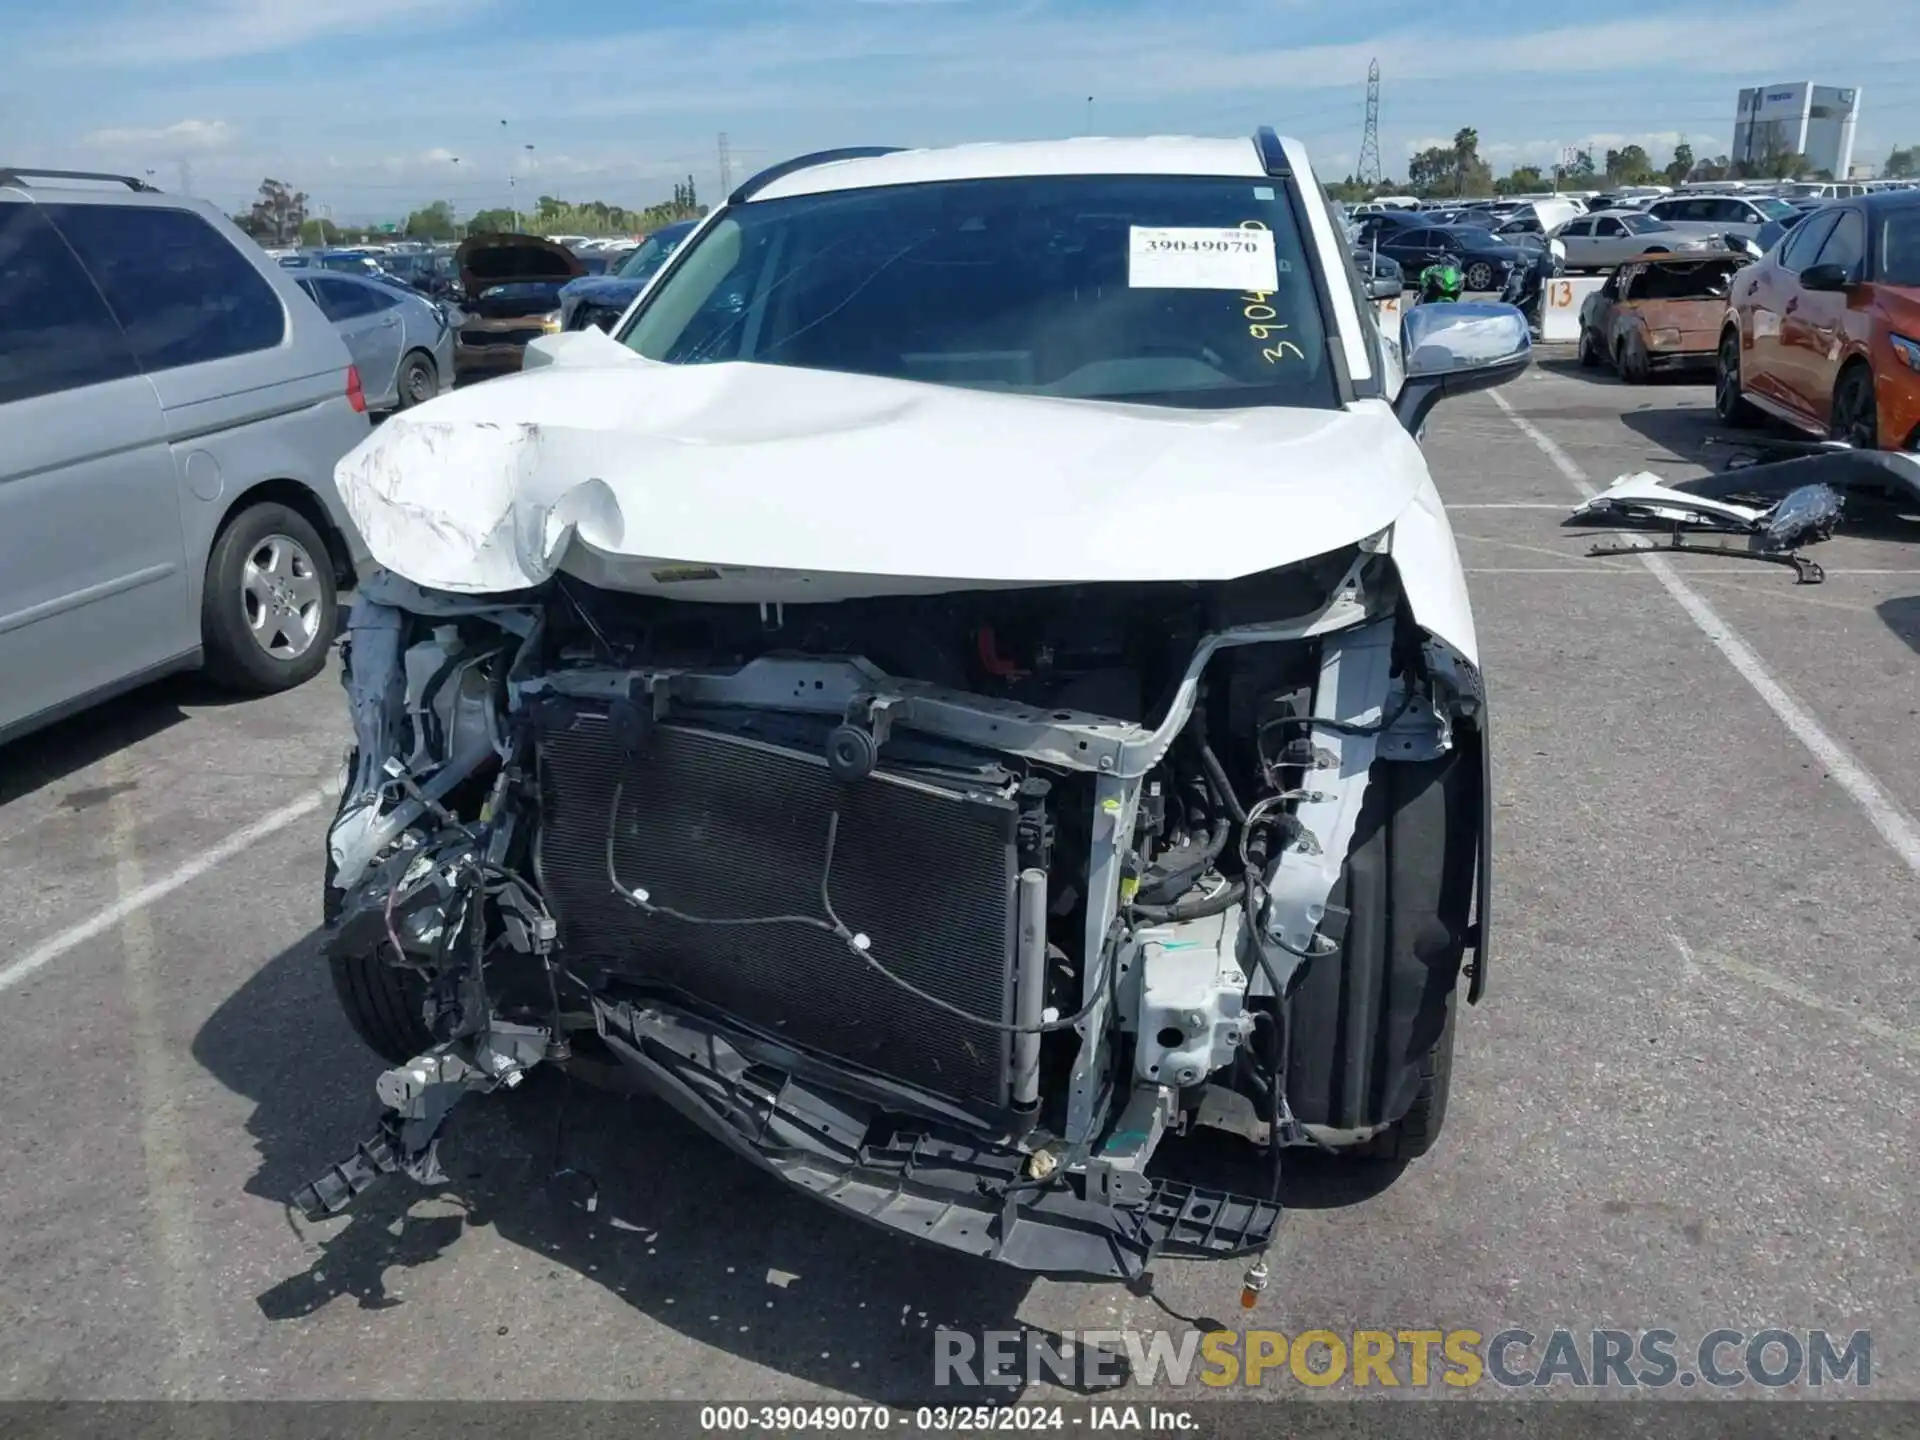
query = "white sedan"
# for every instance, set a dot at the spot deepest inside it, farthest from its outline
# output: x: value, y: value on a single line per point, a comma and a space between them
x: 1614, y: 237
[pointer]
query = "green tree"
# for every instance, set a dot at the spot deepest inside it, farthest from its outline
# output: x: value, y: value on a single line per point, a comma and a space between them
x: 278, y: 214
x: 486, y: 222
x: 1432, y: 171
x: 1628, y: 165
x: 1902, y: 164
x: 1681, y: 166
x: 434, y: 222
x: 1467, y: 167
x: 1524, y: 180
x: 319, y: 232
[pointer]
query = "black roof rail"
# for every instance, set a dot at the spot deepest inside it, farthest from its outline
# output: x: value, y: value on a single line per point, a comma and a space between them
x: 9, y: 175
x: 785, y: 168
x: 1272, y: 158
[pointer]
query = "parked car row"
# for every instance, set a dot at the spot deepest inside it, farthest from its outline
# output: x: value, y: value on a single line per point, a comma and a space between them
x: 1822, y: 332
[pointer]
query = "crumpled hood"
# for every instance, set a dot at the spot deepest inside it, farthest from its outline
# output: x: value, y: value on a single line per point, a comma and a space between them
x: 742, y: 482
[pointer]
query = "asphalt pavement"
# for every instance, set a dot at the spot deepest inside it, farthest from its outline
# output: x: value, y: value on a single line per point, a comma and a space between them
x: 1688, y: 1100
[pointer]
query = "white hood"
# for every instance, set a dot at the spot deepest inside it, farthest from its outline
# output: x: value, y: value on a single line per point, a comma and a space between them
x: 743, y: 482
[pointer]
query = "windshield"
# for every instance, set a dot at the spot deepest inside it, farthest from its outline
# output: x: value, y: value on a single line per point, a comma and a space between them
x: 1900, y: 248
x: 1642, y: 224
x: 652, y: 254
x: 1160, y: 290
x: 1771, y: 208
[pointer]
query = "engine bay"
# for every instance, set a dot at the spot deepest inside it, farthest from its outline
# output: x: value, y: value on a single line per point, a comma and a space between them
x: 1026, y: 875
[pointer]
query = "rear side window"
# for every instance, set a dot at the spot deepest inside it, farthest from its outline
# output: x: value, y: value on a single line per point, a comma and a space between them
x: 1900, y: 248
x: 55, y: 331
x: 343, y: 301
x: 183, y: 294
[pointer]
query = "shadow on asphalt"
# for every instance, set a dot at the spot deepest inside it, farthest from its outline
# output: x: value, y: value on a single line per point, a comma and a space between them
x: 46, y: 757
x: 1903, y: 617
x: 688, y: 1234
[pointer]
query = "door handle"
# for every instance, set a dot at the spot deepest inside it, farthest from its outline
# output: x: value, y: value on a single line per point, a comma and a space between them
x: 388, y: 323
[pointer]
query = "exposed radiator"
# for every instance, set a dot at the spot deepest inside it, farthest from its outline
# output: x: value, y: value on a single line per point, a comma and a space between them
x: 717, y: 826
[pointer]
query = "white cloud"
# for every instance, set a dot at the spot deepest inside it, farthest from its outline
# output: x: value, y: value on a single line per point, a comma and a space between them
x: 180, y: 138
x: 154, y: 36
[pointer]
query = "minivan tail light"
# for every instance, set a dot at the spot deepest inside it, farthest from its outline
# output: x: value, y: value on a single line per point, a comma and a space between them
x: 356, y: 397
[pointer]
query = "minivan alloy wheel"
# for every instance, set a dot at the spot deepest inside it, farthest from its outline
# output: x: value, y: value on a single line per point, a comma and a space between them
x: 281, y: 594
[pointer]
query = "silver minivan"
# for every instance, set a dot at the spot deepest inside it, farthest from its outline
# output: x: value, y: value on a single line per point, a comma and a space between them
x: 172, y: 408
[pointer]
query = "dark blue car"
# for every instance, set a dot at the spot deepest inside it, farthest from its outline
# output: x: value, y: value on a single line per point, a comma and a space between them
x: 1484, y: 259
x: 600, y: 300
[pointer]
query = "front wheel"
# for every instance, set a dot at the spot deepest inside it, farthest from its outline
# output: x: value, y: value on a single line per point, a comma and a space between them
x: 1856, y: 415
x: 1479, y: 276
x: 1589, y: 350
x: 1372, y: 1023
x: 1729, y: 404
x: 1635, y: 367
x: 1417, y: 1131
x: 382, y: 1002
x: 268, y: 606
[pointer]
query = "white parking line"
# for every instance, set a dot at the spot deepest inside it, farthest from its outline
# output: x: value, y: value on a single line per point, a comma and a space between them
x: 1788, y: 990
x: 1883, y: 812
x: 50, y: 950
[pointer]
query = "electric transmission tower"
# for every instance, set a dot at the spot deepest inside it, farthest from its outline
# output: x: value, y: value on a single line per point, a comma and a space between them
x: 726, y: 167
x: 1369, y: 168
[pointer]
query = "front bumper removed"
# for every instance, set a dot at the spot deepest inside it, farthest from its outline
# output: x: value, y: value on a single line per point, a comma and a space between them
x: 917, y: 1177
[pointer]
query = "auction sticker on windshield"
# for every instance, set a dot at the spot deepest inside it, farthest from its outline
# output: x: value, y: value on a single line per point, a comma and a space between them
x: 1192, y: 258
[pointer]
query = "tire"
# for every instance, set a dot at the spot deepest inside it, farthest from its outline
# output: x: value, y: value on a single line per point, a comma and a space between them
x: 419, y: 379
x: 381, y: 1002
x: 1856, y: 413
x: 268, y: 610
x: 1729, y: 403
x: 1589, y: 352
x: 1479, y: 275
x: 1635, y: 368
x: 1416, y: 1132
x: 1373, y: 1025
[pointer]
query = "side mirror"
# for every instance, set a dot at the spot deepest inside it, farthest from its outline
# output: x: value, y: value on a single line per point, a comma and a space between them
x: 1453, y: 349
x: 1824, y: 277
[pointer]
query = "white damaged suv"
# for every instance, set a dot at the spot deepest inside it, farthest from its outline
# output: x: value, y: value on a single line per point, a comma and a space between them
x: 968, y: 693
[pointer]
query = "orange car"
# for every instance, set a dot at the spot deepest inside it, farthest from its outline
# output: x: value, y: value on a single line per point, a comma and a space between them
x: 1824, y: 333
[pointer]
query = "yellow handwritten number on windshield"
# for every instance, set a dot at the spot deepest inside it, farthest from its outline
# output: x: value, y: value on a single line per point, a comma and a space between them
x: 1264, y: 320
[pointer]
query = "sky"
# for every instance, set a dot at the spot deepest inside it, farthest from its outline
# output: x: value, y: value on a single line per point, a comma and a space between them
x: 375, y: 107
